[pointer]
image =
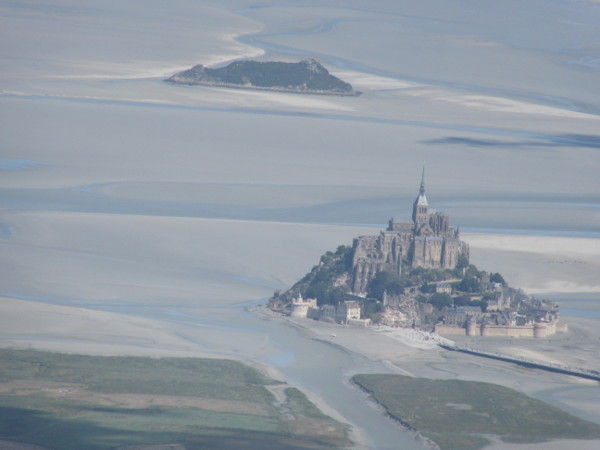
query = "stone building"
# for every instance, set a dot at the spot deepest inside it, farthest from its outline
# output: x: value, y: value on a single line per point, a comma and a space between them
x: 443, y: 288
x: 428, y: 241
x: 328, y: 313
x: 461, y: 315
x: 348, y: 310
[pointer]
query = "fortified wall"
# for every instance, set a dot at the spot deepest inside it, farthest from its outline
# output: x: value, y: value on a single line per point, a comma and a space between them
x: 535, y: 330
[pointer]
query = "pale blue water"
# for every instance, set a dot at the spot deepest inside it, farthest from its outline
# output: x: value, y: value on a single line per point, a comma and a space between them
x: 579, y: 313
x: 6, y: 230
x: 15, y: 164
x: 570, y: 215
x: 578, y: 304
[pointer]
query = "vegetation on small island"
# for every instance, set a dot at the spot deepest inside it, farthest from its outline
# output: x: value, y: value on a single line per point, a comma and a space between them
x: 458, y: 414
x: 306, y: 77
x: 73, y: 401
x: 330, y: 283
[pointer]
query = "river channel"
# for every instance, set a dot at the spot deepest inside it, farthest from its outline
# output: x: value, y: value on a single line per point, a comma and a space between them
x: 317, y: 367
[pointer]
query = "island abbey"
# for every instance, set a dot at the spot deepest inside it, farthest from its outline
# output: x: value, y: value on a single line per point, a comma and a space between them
x: 428, y: 241
x: 430, y: 295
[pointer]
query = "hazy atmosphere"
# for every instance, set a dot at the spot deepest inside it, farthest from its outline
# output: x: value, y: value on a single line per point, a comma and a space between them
x: 139, y: 217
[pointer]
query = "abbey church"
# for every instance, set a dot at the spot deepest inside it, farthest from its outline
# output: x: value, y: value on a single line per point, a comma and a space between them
x: 428, y: 241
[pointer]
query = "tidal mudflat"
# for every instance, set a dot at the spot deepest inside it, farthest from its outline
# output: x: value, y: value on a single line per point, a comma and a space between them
x: 140, y: 218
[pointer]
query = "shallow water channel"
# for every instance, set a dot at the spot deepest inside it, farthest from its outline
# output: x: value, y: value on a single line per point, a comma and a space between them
x: 317, y: 367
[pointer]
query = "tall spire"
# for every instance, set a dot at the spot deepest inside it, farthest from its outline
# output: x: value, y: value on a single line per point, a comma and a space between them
x: 422, y: 199
x: 421, y: 206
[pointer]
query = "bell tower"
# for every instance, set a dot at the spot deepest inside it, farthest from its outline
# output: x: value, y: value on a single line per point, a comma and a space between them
x: 421, y: 205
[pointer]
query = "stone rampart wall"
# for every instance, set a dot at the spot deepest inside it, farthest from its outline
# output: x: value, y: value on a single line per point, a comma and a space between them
x: 545, y: 329
x: 538, y: 330
x: 441, y: 328
x: 507, y: 330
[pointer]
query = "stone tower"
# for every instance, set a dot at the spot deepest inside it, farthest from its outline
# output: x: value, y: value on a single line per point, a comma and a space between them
x: 421, y: 205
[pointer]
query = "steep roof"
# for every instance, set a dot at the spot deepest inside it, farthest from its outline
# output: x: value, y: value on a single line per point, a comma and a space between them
x: 422, y: 199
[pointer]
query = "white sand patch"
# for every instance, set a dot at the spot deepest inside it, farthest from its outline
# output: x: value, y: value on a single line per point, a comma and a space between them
x: 364, y: 81
x: 111, y: 70
x: 492, y: 103
x: 523, y: 352
x: 248, y: 98
x: 512, y: 106
x: 558, y: 444
x: 549, y: 245
x: 414, y: 338
x: 26, y: 324
x: 237, y: 98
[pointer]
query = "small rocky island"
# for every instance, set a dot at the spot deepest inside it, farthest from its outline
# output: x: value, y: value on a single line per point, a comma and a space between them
x: 304, y: 77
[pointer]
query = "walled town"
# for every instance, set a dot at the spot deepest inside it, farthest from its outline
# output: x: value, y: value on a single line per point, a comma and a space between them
x: 416, y: 274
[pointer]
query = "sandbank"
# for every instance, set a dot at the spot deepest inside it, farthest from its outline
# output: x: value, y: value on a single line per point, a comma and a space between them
x: 539, y: 264
x: 576, y: 348
x: 558, y: 444
x: 65, y: 329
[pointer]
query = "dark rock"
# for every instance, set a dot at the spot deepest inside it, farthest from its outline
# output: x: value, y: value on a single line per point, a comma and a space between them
x: 306, y: 77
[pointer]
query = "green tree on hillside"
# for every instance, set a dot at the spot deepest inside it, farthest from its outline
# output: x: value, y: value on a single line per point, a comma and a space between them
x: 497, y: 278
x: 470, y: 284
x: 440, y: 300
x: 385, y: 282
x: 462, y: 300
x: 462, y: 262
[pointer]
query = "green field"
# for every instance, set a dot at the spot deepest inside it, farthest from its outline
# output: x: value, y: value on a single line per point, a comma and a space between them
x: 73, y: 402
x: 459, y: 414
